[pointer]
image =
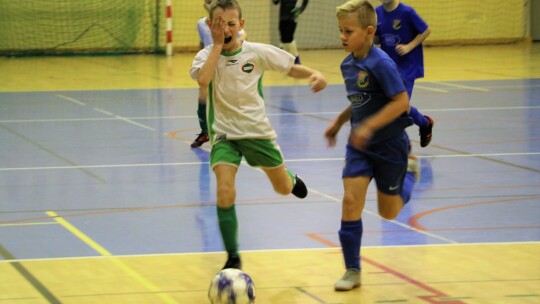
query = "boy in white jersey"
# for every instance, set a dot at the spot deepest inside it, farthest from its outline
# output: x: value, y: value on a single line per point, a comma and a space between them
x: 205, y: 36
x: 232, y: 71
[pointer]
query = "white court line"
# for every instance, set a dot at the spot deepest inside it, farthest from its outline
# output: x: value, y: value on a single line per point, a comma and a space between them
x: 461, y: 86
x: 134, y: 123
x: 431, y: 89
x: 288, y: 160
x: 441, y: 238
x: 71, y: 99
x: 259, y: 250
x: 103, y: 111
x: 268, y: 114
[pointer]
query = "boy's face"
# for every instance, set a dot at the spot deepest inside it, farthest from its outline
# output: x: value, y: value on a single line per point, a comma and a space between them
x: 354, y: 38
x: 232, y: 25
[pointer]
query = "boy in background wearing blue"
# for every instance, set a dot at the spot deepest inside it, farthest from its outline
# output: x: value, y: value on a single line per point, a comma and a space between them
x: 205, y: 37
x: 378, y: 146
x: 400, y: 32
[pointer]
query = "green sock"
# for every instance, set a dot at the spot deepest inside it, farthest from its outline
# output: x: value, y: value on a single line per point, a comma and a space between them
x: 201, y: 114
x: 291, y: 175
x: 228, y: 225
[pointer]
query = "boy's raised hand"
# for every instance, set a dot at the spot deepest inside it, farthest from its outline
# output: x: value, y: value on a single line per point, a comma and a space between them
x: 217, y: 27
x: 317, y: 82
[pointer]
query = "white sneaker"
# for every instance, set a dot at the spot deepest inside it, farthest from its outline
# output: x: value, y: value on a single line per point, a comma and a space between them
x: 412, y: 166
x: 349, y: 281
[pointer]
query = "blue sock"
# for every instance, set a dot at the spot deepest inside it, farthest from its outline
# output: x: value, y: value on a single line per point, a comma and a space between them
x: 350, y: 237
x: 407, y: 187
x: 419, y: 119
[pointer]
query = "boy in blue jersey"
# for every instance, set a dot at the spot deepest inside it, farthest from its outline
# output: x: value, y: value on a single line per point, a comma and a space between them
x: 378, y: 146
x: 401, y: 31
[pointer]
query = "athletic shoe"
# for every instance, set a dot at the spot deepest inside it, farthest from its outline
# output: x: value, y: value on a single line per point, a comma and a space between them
x: 412, y: 166
x: 425, y: 132
x: 200, y: 140
x: 233, y: 262
x: 349, y: 281
x: 299, y: 190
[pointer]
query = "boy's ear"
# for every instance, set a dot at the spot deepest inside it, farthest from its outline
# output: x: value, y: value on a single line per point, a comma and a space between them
x: 371, y: 30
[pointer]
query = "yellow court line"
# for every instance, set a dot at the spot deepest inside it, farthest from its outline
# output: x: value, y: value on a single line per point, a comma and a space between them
x: 461, y: 86
x: 104, y: 252
x: 29, y: 224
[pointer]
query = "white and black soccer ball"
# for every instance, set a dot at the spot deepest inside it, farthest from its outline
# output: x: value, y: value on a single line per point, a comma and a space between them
x: 232, y: 286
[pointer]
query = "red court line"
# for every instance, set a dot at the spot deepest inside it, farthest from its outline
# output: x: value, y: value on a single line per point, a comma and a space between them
x: 414, y: 220
x: 435, y: 293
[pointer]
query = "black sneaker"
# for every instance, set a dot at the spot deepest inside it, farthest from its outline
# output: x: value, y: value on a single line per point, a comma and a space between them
x: 233, y: 261
x: 425, y: 132
x: 299, y: 190
x: 200, y: 140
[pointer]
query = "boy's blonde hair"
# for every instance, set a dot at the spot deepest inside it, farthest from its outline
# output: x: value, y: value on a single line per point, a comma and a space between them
x: 362, y: 9
x: 225, y: 4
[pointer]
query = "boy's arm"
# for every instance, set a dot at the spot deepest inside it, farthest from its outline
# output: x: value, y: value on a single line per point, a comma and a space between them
x: 206, y: 73
x: 403, y: 49
x: 363, y: 132
x: 333, y: 129
x: 315, y: 78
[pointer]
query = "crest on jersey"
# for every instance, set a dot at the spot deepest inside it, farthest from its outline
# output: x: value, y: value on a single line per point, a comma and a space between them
x: 248, y: 68
x: 362, y: 79
x: 397, y: 24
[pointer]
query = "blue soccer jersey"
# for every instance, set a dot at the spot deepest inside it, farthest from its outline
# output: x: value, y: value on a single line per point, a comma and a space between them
x: 401, y: 26
x: 370, y: 83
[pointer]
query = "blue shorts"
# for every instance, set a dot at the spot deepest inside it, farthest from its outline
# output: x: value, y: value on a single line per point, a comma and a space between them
x: 386, y: 162
x: 409, y: 84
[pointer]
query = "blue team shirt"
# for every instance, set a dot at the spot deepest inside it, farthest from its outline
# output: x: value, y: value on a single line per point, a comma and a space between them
x: 370, y: 83
x: 401, y: 26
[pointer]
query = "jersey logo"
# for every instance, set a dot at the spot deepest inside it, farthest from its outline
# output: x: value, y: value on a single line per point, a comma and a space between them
x: 397, y: 24
x: 363, y: 79
x: 358, y: 100
x: 248, y: 68
x: 231, y: 62
x: 392, y: 188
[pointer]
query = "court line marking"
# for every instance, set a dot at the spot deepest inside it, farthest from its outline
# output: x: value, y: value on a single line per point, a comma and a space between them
x: 104, y: 252
x: 268, y: 114
x: 414, y: 221
x: 460, y: 86
x: 431, y: 89
x: 336, y: 249
x: 28, y: 224
x: 375, y: 214
x: 288, y: 160
x: 75, y: 101
x: 28, y: 276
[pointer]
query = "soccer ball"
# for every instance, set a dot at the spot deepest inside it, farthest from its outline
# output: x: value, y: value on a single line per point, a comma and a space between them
x: 232, y: 286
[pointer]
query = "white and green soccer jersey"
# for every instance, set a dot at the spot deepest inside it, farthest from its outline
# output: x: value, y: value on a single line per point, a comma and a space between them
x: 235, y: 108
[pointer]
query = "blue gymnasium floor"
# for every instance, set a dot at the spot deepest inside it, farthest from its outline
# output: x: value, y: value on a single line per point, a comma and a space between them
x: 117, y: 165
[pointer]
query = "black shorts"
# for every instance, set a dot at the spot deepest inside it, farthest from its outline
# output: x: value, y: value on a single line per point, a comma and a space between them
x: 286, y: 30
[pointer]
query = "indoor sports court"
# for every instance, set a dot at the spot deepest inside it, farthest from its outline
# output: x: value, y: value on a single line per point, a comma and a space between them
x: 102, y: 200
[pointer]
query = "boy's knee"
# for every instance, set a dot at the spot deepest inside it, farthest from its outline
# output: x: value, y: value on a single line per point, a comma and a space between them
x: 225, y: 196
x: 283, y: 188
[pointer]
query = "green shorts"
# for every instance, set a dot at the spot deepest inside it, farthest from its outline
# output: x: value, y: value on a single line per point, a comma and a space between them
x: 257, y: 152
